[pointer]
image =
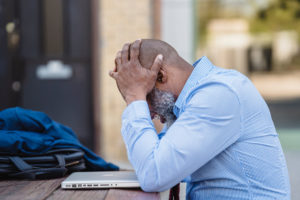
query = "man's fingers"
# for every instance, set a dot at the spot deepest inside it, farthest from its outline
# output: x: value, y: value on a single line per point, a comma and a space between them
x: 113, y: 74
x: 115, y: 68
x: 157, y: 64
x: 135, y: 50
x: 125, y: 53
x: 118, y: 60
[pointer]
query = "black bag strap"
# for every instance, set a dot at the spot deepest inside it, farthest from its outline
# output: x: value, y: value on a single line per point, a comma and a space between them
x: 70, y: 156
x: 52, y: 164
x: 19, y: 163
x: 40, y: 173
x: 28, y: 172
x: 61, y: 160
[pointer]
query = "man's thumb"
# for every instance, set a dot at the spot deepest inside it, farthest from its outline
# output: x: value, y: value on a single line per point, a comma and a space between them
x: 113, y: 74
x: 157, y: 63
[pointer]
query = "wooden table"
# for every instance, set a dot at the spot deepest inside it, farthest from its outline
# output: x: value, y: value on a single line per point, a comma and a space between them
x: 50, y: 190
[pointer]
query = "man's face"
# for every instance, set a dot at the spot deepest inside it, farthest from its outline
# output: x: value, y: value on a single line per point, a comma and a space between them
x: 161, y: 105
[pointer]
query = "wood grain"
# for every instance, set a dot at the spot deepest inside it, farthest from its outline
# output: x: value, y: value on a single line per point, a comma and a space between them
x: 78, y: 195
x: 116, y: 194
x: 28, y: 190
x: 50, y: 190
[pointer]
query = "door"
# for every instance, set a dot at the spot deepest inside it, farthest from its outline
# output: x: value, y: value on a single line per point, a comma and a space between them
x: 50, y: 69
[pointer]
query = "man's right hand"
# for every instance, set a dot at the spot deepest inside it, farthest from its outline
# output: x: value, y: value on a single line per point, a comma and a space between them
x: 133, y: 80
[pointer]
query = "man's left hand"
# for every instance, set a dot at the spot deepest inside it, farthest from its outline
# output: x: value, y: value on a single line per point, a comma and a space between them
x: 133, y: 80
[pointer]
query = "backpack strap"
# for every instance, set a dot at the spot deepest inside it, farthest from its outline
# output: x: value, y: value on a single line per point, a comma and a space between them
x: 61, y: 160
x: 22, y: 166
x: 26, y: 171
x: 52, y: 164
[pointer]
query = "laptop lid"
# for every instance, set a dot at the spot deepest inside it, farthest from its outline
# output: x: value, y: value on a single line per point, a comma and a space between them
x: 105, y: 179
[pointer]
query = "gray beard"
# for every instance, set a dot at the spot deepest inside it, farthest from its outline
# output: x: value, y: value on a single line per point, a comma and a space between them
x: 162, y: 103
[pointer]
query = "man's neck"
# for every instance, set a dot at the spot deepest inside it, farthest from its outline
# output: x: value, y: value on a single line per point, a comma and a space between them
x: 184, y: 73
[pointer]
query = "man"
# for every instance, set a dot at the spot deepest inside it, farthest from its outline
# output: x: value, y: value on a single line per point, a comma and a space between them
x: 219, y: 136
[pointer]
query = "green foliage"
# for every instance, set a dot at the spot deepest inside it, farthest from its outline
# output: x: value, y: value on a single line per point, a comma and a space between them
x: 279, y: 15
x: 206, y: 11
x: 276, y: 16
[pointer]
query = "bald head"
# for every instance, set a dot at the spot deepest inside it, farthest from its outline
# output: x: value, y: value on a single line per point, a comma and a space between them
x: 150, y: 48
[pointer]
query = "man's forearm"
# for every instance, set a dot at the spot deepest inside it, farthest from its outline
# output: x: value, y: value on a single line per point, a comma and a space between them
x: 142, y: 142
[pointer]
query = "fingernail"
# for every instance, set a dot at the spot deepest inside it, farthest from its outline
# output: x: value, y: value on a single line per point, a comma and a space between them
x: 160, y: 57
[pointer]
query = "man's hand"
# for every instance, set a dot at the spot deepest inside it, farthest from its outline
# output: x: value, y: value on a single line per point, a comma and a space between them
x: 133, y: 80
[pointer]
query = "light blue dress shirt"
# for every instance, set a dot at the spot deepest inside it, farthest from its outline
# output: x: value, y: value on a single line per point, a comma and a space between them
x: 223, y: 143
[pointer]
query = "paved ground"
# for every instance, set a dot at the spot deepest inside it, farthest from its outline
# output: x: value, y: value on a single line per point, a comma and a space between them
x: 293, y: 162
x: 286, y: 113
x: 286, y: 116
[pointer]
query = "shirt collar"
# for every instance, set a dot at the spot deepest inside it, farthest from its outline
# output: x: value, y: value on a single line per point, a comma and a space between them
x: 202, y: 67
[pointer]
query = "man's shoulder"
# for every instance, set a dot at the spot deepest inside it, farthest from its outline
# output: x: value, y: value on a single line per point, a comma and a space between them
x: 226, y: 76
x: 224, y: 79
x: 212, y: 92
x: 219, y: 78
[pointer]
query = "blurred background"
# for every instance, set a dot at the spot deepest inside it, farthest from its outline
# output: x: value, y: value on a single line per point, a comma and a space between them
x: 55, y: 56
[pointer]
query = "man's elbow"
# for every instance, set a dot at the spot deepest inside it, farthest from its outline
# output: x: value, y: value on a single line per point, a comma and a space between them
x: 152, y: 178
x: 152, y: 188
x: 151, y: 185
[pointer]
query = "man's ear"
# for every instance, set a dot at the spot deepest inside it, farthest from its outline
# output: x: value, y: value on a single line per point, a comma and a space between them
x: 162, y: 76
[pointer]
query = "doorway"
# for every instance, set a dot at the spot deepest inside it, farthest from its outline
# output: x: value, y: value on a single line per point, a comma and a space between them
x: 45, y: 60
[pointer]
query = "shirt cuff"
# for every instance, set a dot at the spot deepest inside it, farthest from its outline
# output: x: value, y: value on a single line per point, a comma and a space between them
x: 137, y: 109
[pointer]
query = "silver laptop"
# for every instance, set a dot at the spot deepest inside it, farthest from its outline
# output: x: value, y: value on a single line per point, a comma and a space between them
x: 107, y: 179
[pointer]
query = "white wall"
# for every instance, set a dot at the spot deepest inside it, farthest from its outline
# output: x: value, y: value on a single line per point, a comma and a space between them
x: 177, y: 26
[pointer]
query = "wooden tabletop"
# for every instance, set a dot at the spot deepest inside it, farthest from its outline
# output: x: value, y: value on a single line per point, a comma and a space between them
x: 50, y: 190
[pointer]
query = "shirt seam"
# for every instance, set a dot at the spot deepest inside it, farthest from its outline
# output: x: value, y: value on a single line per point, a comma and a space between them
x: 245, y: 176
x: 188, y: 93
x: 241, y: 131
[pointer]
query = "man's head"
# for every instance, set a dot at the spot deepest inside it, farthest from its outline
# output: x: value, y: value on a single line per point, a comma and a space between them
x: 171, y: 77
x: 150, y: 48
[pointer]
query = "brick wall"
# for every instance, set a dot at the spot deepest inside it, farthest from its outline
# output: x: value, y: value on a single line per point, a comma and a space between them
x: 120, y: 21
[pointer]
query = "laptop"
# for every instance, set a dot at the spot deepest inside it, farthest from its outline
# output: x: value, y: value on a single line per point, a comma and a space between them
x: 105, y: 179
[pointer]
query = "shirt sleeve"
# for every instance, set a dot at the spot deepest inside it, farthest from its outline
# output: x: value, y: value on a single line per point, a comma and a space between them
x: 207, y: 125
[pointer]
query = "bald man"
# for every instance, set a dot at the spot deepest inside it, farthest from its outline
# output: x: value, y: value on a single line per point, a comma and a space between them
x: 219, y: 136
